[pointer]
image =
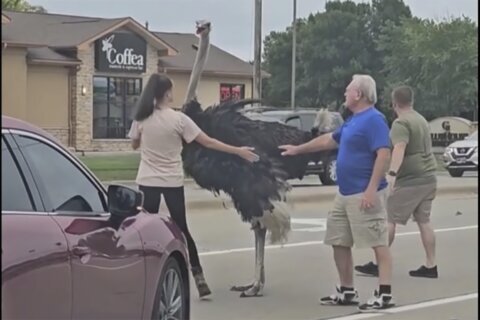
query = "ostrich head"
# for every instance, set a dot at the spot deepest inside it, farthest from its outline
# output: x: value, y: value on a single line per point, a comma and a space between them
x: 203, y: 28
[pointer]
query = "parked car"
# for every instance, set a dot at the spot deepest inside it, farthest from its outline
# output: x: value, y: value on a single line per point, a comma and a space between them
x: 72, y: 249
x: 304, y: 119
x: 462, y: 155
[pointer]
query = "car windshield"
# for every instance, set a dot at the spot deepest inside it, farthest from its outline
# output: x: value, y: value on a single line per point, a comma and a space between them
x: 473, y: 136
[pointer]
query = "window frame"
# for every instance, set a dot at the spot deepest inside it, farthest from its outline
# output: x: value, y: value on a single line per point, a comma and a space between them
x: 230, y: 87
x: 25, y: 174
x: 75, y: 162
x: 124, y: 90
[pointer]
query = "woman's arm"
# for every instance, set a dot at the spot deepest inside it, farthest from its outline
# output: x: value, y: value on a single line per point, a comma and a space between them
x: 135, y: 144
x: 135, y: 135
x: 211, y: 143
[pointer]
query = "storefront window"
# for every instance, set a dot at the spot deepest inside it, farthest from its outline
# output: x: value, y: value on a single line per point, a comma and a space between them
x: 232, y: 91
x: 114, y: 101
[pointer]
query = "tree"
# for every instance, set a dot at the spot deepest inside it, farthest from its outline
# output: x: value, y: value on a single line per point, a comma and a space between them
x: 276, y: 57
x: 21, y: 5
x: 439, y: 60
x: 326, y: 58
x: 331, y: 47
x: 335, y: 46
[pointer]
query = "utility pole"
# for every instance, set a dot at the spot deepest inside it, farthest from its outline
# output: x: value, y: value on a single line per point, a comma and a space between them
x: 294, y: 53
x: 257, y: 56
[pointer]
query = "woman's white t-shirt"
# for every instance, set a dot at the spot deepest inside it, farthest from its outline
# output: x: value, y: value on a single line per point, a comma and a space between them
x: 161, y: 137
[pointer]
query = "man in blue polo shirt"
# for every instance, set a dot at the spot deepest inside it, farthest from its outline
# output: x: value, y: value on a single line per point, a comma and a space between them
x: 359, y: 216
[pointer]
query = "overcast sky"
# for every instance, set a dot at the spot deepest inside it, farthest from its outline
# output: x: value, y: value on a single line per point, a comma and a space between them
x: 232, y: 20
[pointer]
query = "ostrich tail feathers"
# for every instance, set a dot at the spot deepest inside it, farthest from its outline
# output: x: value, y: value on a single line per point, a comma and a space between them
x: 277, y: 222
x: 323, y: 120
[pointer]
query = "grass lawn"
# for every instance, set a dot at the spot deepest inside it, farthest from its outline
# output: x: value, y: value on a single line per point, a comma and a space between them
x: 113, y: 167
x: 124, y: 167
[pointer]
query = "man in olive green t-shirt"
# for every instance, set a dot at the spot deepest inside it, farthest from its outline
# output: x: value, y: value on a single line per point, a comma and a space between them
x: 411, y: 178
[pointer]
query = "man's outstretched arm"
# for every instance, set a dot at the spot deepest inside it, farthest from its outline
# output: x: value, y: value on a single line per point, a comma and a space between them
x: 323, y: 142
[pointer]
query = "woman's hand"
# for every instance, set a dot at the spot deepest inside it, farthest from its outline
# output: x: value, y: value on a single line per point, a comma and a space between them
x: 248, y: 154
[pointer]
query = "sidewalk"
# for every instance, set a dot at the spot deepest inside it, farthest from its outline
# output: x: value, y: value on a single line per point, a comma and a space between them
x: 306, y: 192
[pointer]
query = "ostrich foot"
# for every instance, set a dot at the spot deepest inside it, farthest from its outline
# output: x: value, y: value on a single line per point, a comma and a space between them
x: 241, y: 288
x: 255, y: 291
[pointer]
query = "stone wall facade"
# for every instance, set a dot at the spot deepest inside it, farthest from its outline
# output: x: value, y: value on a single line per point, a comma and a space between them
x: 61, y: 134
x: 83, y: 103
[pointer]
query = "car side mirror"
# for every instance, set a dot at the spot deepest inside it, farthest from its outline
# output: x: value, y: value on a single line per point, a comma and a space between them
x: 124, y: 202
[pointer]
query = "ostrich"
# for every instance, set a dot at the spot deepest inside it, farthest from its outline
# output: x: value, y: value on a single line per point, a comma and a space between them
x: 258, y: 190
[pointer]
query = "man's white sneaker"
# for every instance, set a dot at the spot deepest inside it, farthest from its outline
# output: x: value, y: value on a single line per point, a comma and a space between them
x: 377, y: 302
x: 342, y: 298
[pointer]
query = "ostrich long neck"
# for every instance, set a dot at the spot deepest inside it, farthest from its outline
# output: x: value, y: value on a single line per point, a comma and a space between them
x: 198, y: 66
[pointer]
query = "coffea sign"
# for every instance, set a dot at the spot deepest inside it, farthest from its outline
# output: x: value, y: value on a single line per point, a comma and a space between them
x: 121, y: 52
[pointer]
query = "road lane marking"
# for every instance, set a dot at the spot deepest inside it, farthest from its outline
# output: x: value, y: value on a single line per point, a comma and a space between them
x: 312, y: 243
x: 409, y: 307
x: 320, y: 224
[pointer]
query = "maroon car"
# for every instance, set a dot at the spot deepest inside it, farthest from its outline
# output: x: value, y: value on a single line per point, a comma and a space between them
x: 73, y: 250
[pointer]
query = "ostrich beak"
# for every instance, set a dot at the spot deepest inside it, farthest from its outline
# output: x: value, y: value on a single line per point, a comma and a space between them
x: 202, y: 26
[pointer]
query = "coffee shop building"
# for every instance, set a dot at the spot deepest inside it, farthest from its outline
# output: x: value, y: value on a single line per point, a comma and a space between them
x: 79, y: 77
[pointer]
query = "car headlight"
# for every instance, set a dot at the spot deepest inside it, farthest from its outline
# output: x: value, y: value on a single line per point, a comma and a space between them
x: 448, y: 150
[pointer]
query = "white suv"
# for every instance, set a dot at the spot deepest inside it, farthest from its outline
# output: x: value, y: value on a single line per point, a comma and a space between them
x: 462, y: 156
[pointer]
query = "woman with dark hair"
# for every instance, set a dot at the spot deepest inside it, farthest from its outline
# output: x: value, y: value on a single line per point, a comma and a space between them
x: 159, y: 131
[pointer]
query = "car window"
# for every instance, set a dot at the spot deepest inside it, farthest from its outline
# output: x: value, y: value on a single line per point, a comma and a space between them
x: 262, y: 117
x: 294, y: 122
x: 308, y: 120
x: 63, y: 184
x: 15, y: 196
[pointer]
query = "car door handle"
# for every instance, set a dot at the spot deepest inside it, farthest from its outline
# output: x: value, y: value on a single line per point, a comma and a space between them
x: 81, y: 251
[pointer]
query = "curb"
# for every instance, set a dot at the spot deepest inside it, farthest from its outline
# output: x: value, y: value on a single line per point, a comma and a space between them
x: 222, y: 203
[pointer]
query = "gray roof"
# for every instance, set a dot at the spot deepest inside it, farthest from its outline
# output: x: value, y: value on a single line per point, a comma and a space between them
x: 47, y: 54
x: 50, y: 31
x: 53, y: 30
x: 218, y: 60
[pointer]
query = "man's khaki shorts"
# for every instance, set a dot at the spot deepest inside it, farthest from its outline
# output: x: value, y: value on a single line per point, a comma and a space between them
x: 347, y: 224
x: 416, y: 201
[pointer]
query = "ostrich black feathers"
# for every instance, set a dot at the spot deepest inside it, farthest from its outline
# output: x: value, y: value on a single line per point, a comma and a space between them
x: 252, y: 186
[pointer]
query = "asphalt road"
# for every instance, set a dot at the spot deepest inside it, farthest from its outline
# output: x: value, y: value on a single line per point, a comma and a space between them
x: 303, y: 270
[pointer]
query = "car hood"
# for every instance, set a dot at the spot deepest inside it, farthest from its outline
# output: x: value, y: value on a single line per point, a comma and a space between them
x: 464, y: 144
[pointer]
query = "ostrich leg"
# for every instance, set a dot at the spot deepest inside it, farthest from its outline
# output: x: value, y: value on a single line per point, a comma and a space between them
x: 256, y: 288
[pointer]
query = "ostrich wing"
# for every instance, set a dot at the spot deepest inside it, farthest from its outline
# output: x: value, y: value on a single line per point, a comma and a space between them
x: 251, y: 186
